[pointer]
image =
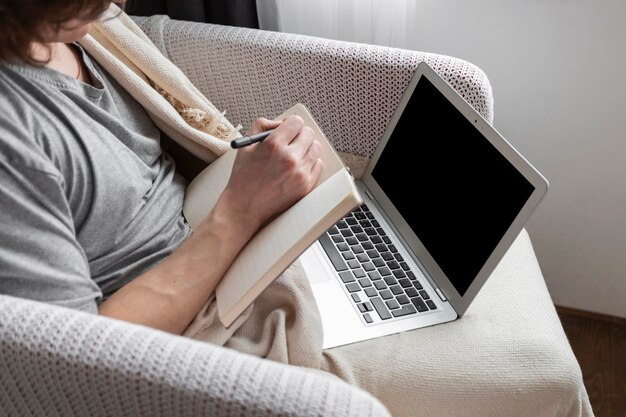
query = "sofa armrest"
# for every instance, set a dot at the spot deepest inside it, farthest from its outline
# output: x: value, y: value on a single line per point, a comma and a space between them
x: 351, y: 89
x: 57, y: 361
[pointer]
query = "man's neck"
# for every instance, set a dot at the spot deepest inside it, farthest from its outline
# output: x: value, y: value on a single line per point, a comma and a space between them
x: 60, y: 58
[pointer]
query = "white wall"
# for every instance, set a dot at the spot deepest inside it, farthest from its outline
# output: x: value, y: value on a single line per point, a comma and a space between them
x: 558, y: 71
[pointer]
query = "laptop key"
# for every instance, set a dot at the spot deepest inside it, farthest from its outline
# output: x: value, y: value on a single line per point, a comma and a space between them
x: 367, y: 318
x: 370, y: 231
x: 419, y: 304
x: 365, y: 282
x: 384, y: 271
x: 406, y: 310
x: 398, y: 273
x: 399, y: 258
x: 341, y: 224
x: 333, y: 253
x: 376, y: 239
x: 411, y: 292
x: 417, y: 285
x: 373, y: 253
x: 403, y: 299
x: 381, y: 247
x: 346, y: 276
x: 424, y: 295
x: 346, y: 233
x: 431, y: 305
x: 387, y: 240
x: 396, y: 289
x: 392, y: 304
x: 374, y: 275
x: 393, y: 249
x: 351, y: 221
x: 362, y: 237
x: 354, y: 264
x: 353, y: 287
x: 337, y: 238
x: 356, y: 229
x: 347, y: 255
x: 375, y: 223
x: 369, y: 215
x: 356, y: 249
x: 411, y: 275
x: 362, y: 257
x: 356, y: 298
x: 406, y: 283
x: 393, y: 265
x: 390, y: 280
x: 371, y: 292
x: 387, y: 256
x: 351, y: 240
x: 368, y: 266
x: 333, y: 231
x: 386, y: 294
x: 380, y: 284
x: 380, y: 308
x: 343, y: 247
x: 359, y: 273
x: 380, y: 231
x: 378, y: 262
x: 367, y: 245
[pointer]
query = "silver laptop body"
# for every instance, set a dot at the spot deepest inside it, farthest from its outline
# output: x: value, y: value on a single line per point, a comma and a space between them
x: 444, y: 196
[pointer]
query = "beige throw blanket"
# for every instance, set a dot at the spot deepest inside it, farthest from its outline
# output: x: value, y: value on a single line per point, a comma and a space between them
x: 283, y: 324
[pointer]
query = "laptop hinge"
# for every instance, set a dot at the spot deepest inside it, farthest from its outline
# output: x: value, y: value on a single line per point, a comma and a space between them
x: 440, y: 294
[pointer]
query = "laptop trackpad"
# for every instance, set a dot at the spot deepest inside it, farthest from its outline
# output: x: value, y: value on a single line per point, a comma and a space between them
x: 313, y: 268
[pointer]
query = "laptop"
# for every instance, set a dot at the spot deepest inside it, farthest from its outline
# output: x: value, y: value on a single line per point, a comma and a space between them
x: 444, y: 196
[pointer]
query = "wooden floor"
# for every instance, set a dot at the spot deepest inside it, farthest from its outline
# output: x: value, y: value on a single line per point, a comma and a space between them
x: 599, y: 343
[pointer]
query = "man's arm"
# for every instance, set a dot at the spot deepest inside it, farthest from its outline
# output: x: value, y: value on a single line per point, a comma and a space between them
x: 267, y: 178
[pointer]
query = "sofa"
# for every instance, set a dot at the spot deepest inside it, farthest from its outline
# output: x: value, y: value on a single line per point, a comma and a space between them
x: 508, y: 356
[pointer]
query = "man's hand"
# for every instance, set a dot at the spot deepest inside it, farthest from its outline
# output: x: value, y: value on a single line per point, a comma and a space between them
x: 270, y: 176
x: 267, y: 178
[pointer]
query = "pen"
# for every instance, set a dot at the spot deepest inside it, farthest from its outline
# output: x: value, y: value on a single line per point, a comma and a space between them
x: 249, y: 140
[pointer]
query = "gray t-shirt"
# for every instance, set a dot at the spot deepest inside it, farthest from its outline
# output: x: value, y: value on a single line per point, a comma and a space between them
x: 88, y: 201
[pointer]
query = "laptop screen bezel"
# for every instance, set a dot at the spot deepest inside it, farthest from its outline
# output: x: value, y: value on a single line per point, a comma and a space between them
x: 420, y: 254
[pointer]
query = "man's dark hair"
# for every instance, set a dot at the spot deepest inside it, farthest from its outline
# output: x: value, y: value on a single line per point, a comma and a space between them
x: 26, y: 21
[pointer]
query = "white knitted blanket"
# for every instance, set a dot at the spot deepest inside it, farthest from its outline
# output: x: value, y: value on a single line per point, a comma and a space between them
x: 175, y: 105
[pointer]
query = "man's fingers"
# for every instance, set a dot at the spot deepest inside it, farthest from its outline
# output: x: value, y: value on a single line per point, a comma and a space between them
x: 316, y: 171
x: 302, y: 142
x: 312, y: 153
x: 262, y: 124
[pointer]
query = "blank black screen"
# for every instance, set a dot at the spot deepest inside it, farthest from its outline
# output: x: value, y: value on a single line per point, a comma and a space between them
x: 454, y: 188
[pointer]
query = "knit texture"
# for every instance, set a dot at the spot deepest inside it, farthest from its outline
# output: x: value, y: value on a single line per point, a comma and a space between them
x: 170, y: 99
x: 351, y: 89
x: 61, y: 362
x: 508, y: 355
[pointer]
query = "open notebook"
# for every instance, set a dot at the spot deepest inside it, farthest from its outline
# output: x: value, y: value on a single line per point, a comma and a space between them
x: 280, y: 242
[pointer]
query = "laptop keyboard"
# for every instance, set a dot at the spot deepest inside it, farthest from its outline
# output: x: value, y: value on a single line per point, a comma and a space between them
x: 375, y: 275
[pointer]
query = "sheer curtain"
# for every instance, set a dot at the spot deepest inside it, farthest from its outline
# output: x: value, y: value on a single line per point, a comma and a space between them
x: 380, y: 22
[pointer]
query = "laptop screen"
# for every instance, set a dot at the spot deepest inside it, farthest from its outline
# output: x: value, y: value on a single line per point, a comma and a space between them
x: 456, y: 191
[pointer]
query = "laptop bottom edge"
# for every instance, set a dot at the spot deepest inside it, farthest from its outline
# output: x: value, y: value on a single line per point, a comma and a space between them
x: 341, y: 321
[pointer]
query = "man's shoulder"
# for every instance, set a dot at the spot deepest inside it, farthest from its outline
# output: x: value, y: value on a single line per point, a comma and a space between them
x: 20, y: 126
